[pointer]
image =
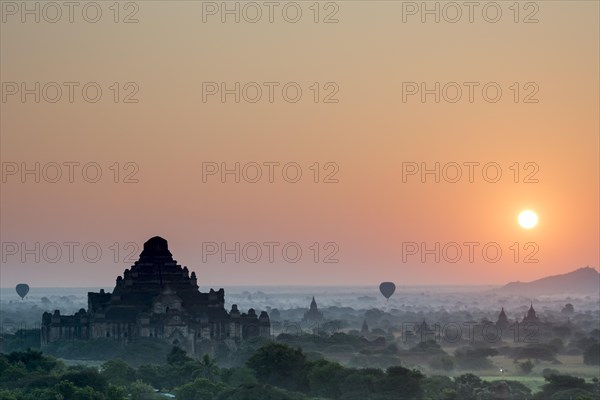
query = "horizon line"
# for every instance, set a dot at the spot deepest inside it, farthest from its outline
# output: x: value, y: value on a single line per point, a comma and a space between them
x: 376, y: 285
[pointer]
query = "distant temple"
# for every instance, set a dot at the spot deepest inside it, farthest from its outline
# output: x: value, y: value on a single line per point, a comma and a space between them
x: 364, y: 330
x: 313, y: 315
x: 531, y: 316
x: 157, y: 298
x: 504, y: 325
x: 502, y: 321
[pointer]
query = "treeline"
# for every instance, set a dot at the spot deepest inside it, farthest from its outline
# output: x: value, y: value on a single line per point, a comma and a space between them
x: 376, y: 352
x: 273, y: 372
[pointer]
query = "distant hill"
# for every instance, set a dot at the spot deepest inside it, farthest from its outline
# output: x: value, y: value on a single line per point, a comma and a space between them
x: 581, y: 281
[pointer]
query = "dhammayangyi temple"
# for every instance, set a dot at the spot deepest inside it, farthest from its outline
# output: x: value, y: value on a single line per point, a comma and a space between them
x: 157, y: 298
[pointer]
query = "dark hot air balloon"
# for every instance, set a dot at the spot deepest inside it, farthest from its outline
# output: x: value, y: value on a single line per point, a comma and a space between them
x: 22, y: 290
x: 387, y: 289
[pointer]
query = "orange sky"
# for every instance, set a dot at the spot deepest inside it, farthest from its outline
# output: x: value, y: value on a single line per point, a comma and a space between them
x: 170, y: 132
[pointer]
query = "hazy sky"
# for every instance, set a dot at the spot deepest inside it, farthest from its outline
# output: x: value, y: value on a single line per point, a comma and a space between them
x: 379, y: 52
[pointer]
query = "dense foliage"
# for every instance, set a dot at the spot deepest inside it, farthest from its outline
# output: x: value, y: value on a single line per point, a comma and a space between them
x: 273, y: 372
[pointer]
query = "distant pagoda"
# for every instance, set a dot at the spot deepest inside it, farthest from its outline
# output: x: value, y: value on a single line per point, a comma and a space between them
x: 313, y: 315
x: 157, y: 298
x: 531, y: 316
x: 502, y: 321
x: 364, y: 330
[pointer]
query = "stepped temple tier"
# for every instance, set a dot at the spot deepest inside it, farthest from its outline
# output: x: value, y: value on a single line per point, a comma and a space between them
x: 157, y: 298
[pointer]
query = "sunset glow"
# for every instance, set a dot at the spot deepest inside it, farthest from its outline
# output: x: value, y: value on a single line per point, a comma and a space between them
x: 403, y: 139
x: 296, y: 200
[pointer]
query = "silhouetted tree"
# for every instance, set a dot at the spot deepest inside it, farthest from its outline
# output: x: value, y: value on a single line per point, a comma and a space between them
x: 118, y: 372
x: 568, y: 309
x: 177, y: 356
x: 280, y: 365
x: 525, y: 367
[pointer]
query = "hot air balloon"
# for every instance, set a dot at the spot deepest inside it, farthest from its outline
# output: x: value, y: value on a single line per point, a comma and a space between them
x: 387, y: 289
x: 22, y: 290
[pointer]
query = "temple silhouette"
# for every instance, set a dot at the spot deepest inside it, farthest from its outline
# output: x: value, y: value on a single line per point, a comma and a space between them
x: 313, y: 315
x: 157, y: 298
x: 531, y: 316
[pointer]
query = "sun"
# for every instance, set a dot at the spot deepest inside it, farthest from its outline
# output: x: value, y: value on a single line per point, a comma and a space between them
x: 528, y: 219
